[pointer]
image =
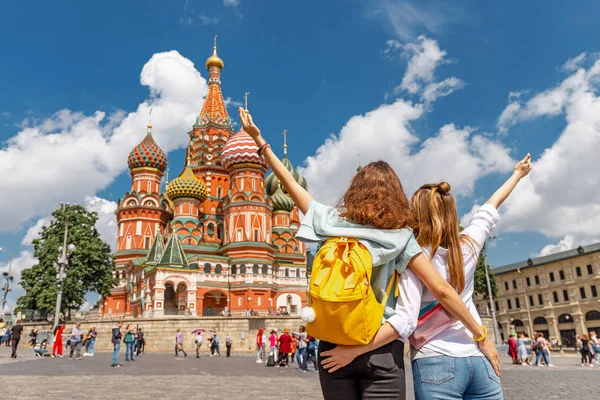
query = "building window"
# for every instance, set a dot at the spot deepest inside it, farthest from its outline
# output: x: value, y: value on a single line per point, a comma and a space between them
x: 590, y: 269
x: 219, y: 192
x: 259, y: 300
x: 540, y: 300
x: 254, y: 185
x: 566, y: 295
x: 509, y: 304
x: 233, y: 269
x: 518, y: 303
x: 561, y: 273
x: 555, y: 295
x: 514, y: 284
x: 287, y: 273
x: 256, y: 235
x: 528, y: 280
x: 239, y: 235
x: 594, y: 291
x: 218, y: 269
x: 551, y: 276
x: 537, y: 280
x: 578, y: 270
x: 531, y: 301
x: 496, y: 305
x: 239, y: 301
x: 211, y: 229
x: 207, y: 268
x: 147, y: 243
x: 582, y: 293
x: 297, y: 272
x: 265, y: 269
x: 255, y: 269
x: 243, y: 269
x: 242, y: 184
x: 505, y: 285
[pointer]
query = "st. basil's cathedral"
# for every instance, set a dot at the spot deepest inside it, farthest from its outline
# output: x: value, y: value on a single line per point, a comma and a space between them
x: 220, y: 239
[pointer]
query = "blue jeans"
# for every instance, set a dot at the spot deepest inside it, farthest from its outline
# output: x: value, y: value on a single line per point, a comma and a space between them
x: 300, y: 356
x: 540, y: 354
x: 90, y: 346
x: 182, y: 350
x: 596, y: 349
x: 115, y: 354
x: 129, y: 351
x: 444, y: 377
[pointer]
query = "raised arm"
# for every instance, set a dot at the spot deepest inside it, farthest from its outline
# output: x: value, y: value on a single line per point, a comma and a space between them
x: 300, y: 196
x: 521, y: 170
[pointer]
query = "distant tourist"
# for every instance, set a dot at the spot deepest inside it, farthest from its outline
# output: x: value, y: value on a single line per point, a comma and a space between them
x: 512, y: 349
x: 216, y: 345
x: 595, y: 345
x: 76, y: 340
x: 116, y: 341
x: 541, y: 350
x: 40, y: 349
x: 301, y: 353
x: 3, y: 334
x: 90, y: 343
x: 15, y: 337
x: 311, y: 354
x: 129, y: 341
x: 179, y: 344
x: 260, y: 346
x: 57, y: 348
x: 285, y: 348
x: 584, y: 348
x: 522, y: 343
x: 139, y: 342
x: 33, y: 337
x: 273, y: 344
x: 228, y: 344
x: 198, y: 343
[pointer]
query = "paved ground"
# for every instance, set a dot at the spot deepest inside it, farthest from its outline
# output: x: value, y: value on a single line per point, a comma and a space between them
x: 156, y: 376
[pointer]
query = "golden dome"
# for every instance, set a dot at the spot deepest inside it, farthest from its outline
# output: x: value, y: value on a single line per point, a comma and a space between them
x: 214, y: 60
x: 187, y: 185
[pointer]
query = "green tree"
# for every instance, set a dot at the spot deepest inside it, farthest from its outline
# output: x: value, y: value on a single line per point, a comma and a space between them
x: 90, y: 266
x: 480, y: 283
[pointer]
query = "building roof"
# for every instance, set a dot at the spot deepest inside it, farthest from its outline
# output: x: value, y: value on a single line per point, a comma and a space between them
x: 173, y: 255
x: 538, y: 261
x: 156, y: 250
x: 147, y: 154
x: 241, y: 149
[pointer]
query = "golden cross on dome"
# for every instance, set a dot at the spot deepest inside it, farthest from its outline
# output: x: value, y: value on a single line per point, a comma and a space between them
x: 215, y: 45
x: 285, y: 141
x: 150, y: 121
x: 189, y: 154
x: 246, y: 100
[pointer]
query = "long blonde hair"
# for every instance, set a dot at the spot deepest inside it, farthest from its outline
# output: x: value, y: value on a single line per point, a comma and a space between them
x: 436, y: 225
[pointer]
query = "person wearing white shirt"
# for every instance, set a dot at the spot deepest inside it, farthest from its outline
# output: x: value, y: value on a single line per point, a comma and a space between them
x: 450, y: 364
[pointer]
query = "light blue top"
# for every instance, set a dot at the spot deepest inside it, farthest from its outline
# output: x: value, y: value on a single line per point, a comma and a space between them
x: 390, y: 248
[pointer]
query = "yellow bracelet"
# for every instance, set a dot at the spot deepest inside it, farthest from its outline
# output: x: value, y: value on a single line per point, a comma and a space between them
x: 483, y: 337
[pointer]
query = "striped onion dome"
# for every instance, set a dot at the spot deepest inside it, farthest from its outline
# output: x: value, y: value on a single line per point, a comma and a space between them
x: 187, y: 185
x: 147, y: 154
x: 241, y: 149
x: 272, y: 182
x: 281, y: 201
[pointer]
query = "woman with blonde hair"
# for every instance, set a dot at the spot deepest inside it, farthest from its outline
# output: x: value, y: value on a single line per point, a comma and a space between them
x: 375, y: 211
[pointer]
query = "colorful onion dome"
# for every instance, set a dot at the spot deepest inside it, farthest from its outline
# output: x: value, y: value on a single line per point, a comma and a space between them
x: 272, y: 182
x: 147, y: 154
x: 214, y: 60
x: 186, y: 185
x: 241, y: 149
x: 281, y: 201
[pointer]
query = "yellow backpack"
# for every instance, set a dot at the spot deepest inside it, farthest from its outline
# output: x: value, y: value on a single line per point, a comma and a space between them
x: 346, y: 311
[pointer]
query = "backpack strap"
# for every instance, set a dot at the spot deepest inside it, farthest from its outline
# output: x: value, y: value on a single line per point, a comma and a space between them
x: 388, y: 290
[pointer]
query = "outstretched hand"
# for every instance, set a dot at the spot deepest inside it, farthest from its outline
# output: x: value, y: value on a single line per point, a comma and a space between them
x: 523, y: 167
x: 248, y: 124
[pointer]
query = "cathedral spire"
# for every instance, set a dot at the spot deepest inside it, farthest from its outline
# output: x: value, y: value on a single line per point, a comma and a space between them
x: 214, y: 110
x: 285, y: 142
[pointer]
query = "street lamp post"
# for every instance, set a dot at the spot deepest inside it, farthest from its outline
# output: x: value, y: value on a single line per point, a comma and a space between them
x: 526, y: 301
x: 489, y: 288
x: 63, y: 263
x: 8, y: 277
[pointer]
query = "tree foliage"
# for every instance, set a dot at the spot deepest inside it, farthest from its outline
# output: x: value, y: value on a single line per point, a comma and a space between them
x: 90, y: 266
x: 480, y: 283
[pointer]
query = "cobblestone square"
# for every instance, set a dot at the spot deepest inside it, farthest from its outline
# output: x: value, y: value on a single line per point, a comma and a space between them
x: 161, y: 375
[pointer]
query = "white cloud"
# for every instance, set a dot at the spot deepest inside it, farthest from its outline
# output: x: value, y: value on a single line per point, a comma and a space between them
x: 456, y: 155
x: 560, y: 198
x: 424, y: 57
x: 24, y: 260
x: 567, y: 243
x: 410, y: 18
x: 71, y: 155
x: 231, y: 3
x: 191, y: 17
x: 574, y: 63
x: 34, y: 231
x: 107, y: 220
x: 441, y: 89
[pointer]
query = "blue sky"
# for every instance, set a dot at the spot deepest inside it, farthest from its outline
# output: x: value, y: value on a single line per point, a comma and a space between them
x: 447, y: 90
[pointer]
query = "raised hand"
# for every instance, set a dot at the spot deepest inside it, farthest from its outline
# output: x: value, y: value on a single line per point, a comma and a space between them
x: 248, y: 124
x: 523, y: 167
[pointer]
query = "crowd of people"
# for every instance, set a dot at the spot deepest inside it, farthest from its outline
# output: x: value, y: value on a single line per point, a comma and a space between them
x: 285, y: 347
x: 522, y: 349
x: 589, y: 347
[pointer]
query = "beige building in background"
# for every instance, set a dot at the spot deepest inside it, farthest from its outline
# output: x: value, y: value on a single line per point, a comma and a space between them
x: 558, y: 295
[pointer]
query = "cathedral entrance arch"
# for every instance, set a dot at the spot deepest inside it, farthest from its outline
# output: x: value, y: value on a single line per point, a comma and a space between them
x: 214, y: 303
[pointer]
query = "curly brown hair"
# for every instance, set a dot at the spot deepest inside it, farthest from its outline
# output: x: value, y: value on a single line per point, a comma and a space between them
x: 376, y: 198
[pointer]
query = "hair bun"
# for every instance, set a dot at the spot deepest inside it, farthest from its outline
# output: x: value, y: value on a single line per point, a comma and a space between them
x: 443, y: 187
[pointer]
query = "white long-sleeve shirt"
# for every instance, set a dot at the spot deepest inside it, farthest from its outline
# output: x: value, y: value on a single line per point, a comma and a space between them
x: 456, y: 340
